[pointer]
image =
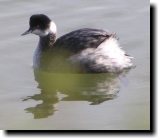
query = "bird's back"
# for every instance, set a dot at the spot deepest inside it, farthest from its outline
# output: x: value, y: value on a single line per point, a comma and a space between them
x: 78, y: 40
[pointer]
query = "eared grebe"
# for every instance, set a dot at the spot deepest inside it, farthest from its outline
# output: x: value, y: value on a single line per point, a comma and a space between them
x: 84, y: 50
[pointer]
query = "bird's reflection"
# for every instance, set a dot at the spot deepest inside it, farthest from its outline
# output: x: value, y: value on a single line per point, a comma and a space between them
x: 93, y: 88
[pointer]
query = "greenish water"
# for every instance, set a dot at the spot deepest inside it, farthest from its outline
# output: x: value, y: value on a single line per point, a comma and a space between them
x: 40, y: 100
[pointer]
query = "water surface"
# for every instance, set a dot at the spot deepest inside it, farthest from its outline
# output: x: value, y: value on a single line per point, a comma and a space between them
x: 40, y: 100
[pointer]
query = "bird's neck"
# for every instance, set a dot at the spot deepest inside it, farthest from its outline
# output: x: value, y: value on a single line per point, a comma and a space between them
x: 47, y: 42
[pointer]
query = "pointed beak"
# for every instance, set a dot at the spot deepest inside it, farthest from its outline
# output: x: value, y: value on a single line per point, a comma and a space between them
x: 27, y: 32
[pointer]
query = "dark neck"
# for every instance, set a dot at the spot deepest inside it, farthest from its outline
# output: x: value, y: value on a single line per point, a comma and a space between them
x: 47, y: 42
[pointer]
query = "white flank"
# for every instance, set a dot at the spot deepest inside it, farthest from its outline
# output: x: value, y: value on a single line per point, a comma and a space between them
x: 107, y: 56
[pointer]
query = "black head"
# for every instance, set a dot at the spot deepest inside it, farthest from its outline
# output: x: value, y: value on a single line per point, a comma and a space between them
x: 39, y: 24
x: 39, y: 21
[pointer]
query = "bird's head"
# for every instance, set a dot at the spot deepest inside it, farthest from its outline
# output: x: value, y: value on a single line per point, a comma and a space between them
x: 41, y: 25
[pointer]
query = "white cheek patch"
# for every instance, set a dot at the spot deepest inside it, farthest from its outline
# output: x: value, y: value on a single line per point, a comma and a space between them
x: 53, y: 27
x: 40, y: 32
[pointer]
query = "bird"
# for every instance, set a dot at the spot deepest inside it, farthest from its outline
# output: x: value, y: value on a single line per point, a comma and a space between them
x: 85, y: 50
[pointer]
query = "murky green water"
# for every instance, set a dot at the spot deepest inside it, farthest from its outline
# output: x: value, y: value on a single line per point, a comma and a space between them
x: 39, y: 100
